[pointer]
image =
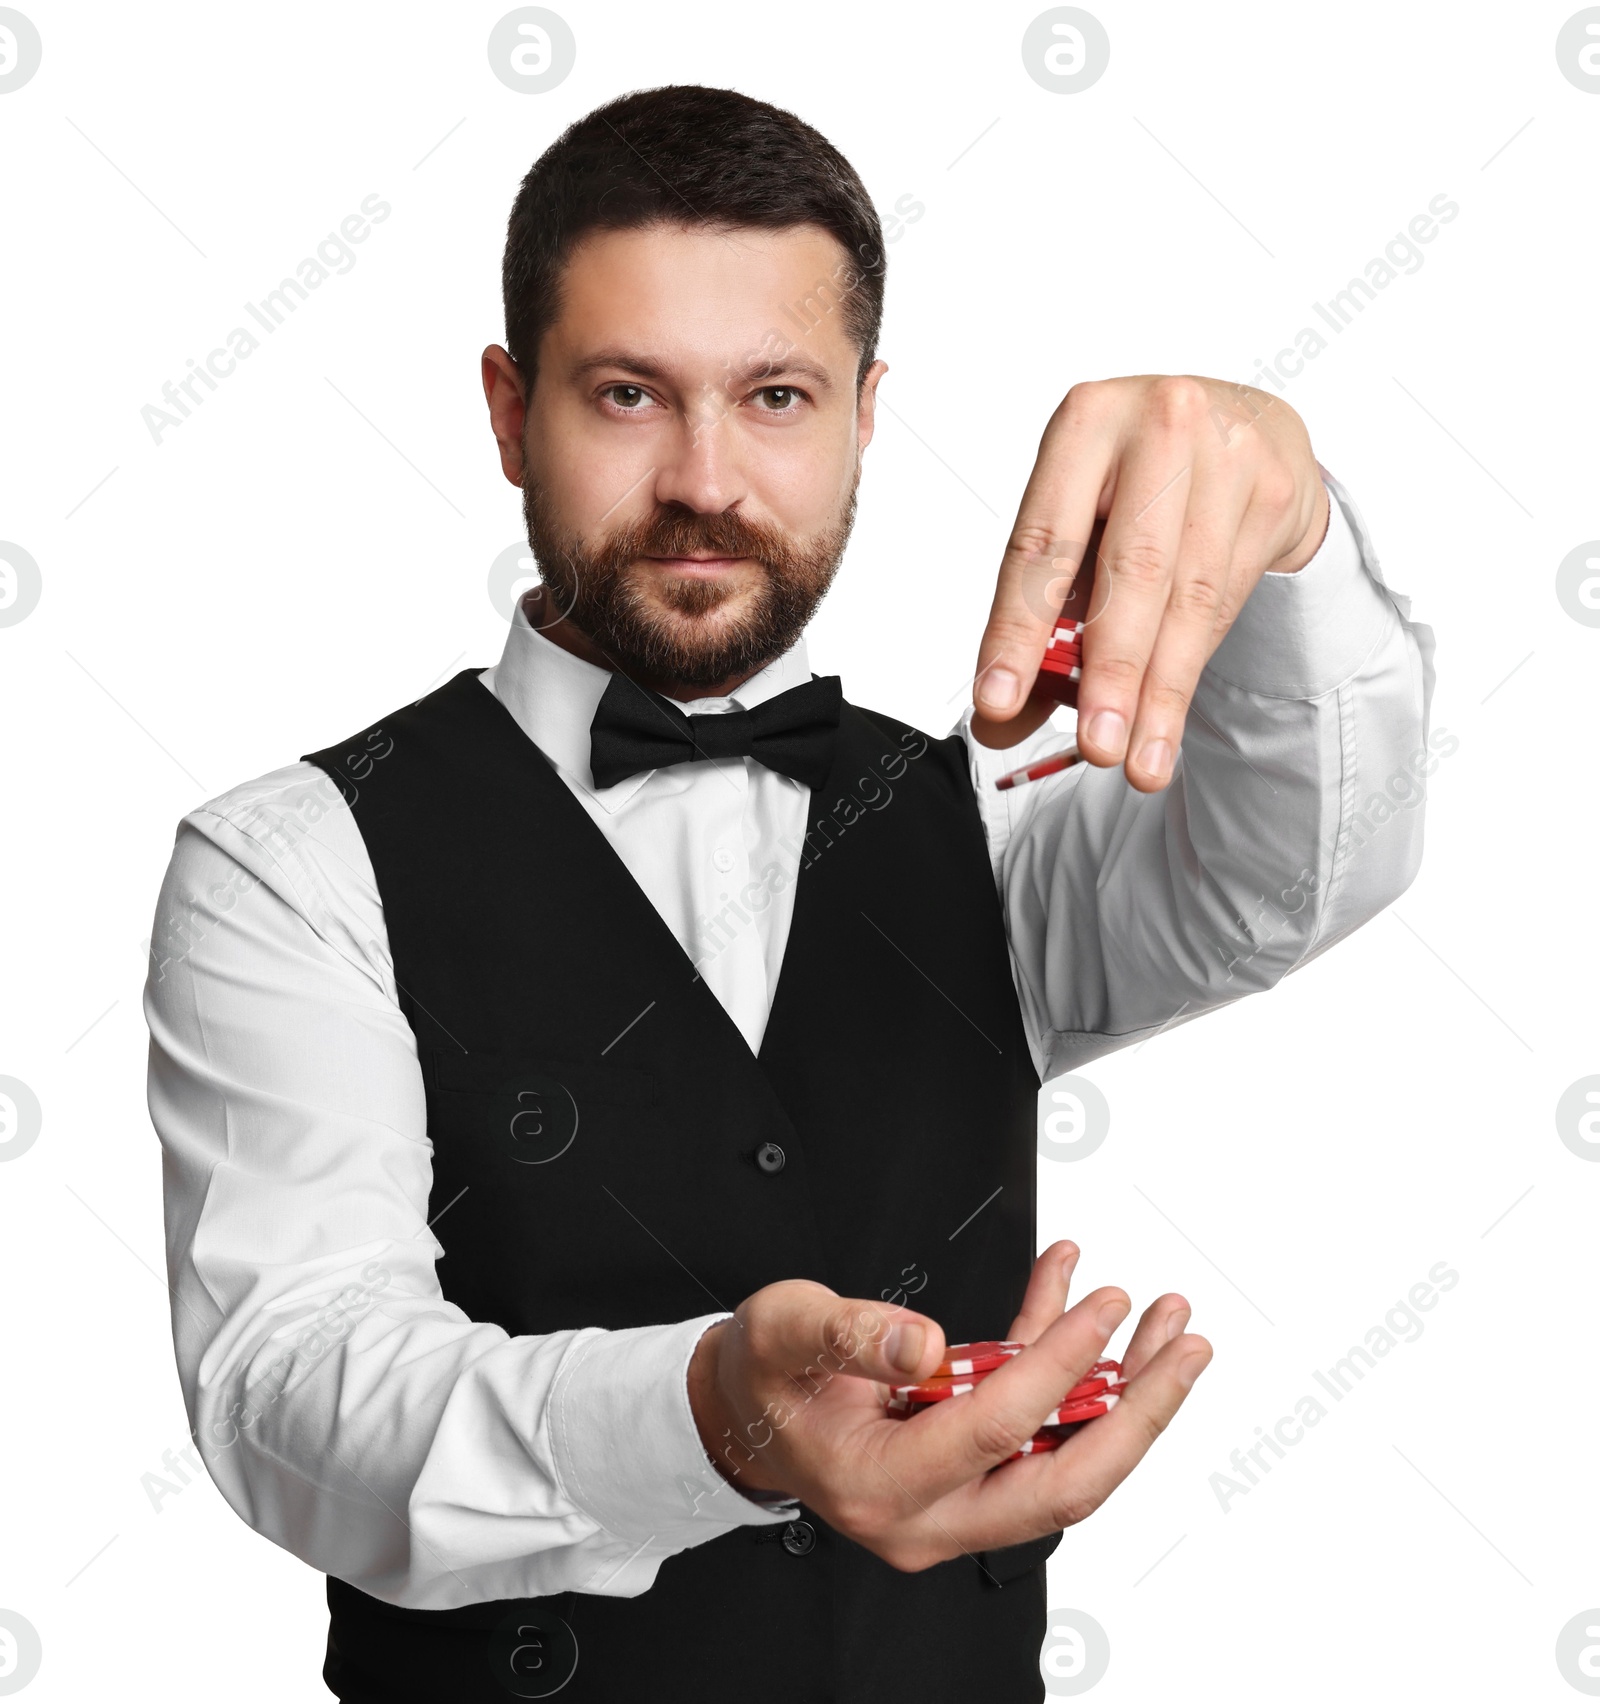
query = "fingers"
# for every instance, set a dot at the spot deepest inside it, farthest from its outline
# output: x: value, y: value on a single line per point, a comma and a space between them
x: 1047, y: 1292
x: 1194, y: 515
x: 1234, y: 522
x: 1158, y: 1324
x: 1078, y: 604
x: 1202, y: 579
x: 1043, y: 555
x: 1044, y: 1493
x: 934, y: 1452
x: 1138, y: 561
x: 1096, y: 1460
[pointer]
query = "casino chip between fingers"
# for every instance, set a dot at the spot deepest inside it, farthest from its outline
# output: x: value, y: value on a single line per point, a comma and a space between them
x: 965, y: 1367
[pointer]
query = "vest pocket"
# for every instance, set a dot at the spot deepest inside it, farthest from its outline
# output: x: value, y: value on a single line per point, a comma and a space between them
x: 1001, y: 1567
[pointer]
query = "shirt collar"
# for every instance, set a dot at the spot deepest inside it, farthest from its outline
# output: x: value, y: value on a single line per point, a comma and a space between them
x: 553, y: 695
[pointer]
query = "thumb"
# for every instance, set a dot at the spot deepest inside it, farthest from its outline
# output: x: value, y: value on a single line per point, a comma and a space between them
x: 874, y: 1340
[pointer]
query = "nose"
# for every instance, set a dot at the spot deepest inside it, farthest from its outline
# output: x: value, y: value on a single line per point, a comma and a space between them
x: 700, y: 465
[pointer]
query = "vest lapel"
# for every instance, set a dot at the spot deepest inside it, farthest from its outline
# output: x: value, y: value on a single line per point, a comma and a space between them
x: 583, y: 848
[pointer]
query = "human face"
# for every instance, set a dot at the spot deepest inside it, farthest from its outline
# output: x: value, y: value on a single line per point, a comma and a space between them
x: 690, y: 452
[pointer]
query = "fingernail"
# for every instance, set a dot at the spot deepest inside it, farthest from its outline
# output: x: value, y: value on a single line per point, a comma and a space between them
x: 1112, y: 1315
x: 903, y: 1346
x: 1109, y: 731
x: 1069, y: 1260
x: 1191, y: 1367
x: 1156, y: 758
x: 1176, y: 1323
x: 999, y: 689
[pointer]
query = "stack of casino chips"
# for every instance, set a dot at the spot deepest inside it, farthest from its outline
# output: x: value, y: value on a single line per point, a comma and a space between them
x: 1062, y: 666
x: 965, y: 1367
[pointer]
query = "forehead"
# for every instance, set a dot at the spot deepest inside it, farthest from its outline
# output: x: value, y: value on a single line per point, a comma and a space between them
x: 697, y: 295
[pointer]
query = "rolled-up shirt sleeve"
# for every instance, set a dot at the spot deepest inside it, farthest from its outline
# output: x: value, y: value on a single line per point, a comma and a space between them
x: 1294, y: 816
x: 344, y: 1408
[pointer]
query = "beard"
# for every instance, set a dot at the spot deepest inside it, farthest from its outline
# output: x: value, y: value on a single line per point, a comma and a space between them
x: 669, y: 629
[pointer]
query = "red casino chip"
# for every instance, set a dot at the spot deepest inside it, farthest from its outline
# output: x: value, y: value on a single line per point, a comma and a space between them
x: 1039, y: 1444
x: 936, y: 1389
x: 904, y: 1399
x: 1084, y: 1408
x: 1094, y: 1385
x: 975, y: 1358
x: 1039, y: 768
x: 932, y: 1390
x: 1061, y: 667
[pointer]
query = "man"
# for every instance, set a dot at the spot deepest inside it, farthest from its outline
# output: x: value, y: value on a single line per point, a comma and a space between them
x: 567, y: 1082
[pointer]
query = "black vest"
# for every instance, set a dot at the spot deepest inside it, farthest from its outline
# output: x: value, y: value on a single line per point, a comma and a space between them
x: 607, y: 1151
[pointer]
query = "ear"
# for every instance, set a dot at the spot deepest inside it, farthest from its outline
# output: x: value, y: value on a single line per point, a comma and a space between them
x: 866, y: 406
x: 504, y: 392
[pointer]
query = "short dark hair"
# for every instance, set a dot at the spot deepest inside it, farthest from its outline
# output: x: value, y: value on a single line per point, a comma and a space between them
x: 686, y: 155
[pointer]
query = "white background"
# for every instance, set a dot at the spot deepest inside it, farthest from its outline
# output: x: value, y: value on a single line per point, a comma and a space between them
x: 311, y: 548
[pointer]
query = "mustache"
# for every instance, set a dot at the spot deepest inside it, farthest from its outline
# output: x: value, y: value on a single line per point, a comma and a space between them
x: 684, y: 533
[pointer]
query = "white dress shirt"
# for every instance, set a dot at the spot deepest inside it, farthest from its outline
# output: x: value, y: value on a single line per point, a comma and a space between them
x: 350, y: 1413
x: 694, y: 835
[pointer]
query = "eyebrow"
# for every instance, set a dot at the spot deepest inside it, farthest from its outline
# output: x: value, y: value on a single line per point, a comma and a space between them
x: 641, y: 365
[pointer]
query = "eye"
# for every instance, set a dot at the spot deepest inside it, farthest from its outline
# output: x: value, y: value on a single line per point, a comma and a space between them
x: 787, y: 399
x: 628, y: 399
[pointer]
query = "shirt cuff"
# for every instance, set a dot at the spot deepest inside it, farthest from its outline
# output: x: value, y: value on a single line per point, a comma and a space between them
x: 986, y: 764
x: 1301, y: 635
x: 626, y: 1447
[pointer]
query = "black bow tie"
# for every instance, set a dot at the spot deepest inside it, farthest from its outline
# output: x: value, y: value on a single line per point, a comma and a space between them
x: 636, y: 729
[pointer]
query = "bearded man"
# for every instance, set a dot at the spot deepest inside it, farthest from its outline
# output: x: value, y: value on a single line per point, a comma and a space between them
x: 568, y: 1081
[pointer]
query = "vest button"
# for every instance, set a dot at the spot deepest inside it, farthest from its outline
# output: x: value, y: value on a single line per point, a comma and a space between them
x: 799, y: 1538
x: 771, y: 1158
